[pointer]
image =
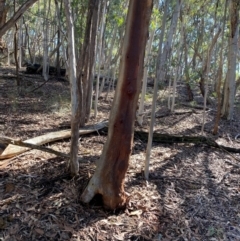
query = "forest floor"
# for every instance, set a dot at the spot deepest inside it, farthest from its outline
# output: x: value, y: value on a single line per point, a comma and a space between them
x: 193, y: 192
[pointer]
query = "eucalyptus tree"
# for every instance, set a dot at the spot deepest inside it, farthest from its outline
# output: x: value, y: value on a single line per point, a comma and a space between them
x: 73, y: 164
x: 100, y: 53
x: 110, y: 38
x: 166, y: 53
x: 108, y: 179
x: 219, y: 74
x: 230, y: 82
x: 45, y: 61
x: 155, y: 20
x: 86, y: 61
x: 140, y: 112
x: 186, y: 62
x: 178, y: 66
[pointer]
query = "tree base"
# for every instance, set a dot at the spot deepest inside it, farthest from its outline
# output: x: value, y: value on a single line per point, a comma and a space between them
x: 113, y: 199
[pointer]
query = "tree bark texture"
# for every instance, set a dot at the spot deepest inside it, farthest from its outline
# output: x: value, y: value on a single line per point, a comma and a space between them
x: 108, y: 179
x: 86, y: 61
x: 229, y: 87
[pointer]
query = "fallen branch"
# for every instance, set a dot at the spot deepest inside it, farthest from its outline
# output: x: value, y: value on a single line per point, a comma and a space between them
x: 174, y: 113
x: 198, y: 107
x: 13, y: 150
x: 171, y: 139
x: 35, y: 143
x: 7, y: 140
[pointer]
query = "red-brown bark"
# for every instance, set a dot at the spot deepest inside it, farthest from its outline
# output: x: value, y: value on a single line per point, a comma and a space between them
x: 108, y: 180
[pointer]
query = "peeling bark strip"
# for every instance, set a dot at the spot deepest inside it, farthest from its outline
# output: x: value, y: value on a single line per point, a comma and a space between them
x: 108, y: 180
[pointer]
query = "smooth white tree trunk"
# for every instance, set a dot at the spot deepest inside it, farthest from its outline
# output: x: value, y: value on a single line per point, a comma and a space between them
x: 169, y: 38
x: 158, y: 73
x: 73, y: 164
x: 178, y: 67
x: 140, y: 112
x: 100, y: 37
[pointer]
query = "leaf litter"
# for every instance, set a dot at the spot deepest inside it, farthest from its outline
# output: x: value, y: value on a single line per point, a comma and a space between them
x: 193, y: 192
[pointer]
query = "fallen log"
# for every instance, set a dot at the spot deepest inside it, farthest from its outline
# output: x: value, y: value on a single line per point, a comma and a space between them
x: 171, y: 139
x: 13, y: 150
x: 15, y: 142
x: 17, y: 146
x: 37, y: 69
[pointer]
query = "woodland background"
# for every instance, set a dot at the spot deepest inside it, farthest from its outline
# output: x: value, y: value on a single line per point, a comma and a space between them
x: 182, y: 182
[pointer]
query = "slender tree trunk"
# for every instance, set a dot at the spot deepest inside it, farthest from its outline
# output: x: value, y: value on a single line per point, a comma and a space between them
x: 219, y: 75
x: 86, y: 61
x: 207, y: 62
x: 229, y: 90
x: 178, y: 67
x: 92, y: 55
x: 205, y: 90
x: 45, y: 64
x: 140, y: 112
x: 16, y: 50
x: 28, y: 41
x: 20, y: 43
x: 154, y: 100
x: 16, y: 54
x: 58, y: 37
x: 186, y: 67
x: 168, y: 43
x: 99, y: 58
x: 61, y: 35
x: 73, y: 164
x: 108, y: 179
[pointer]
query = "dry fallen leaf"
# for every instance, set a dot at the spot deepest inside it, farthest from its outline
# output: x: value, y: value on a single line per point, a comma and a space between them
x: 2, y: 223
x: 39, y: 231
x: 136, y: 213
x: 119, y: 237
x: 9, y: 187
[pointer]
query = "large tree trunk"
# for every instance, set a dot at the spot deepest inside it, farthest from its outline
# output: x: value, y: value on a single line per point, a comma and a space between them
x: 108, y: 179
x: 16, y: 16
